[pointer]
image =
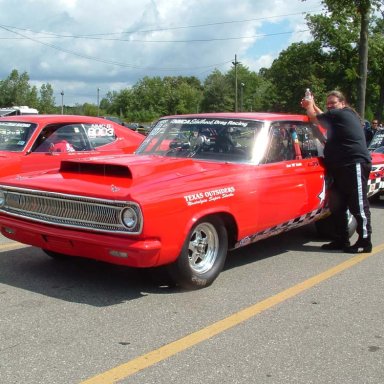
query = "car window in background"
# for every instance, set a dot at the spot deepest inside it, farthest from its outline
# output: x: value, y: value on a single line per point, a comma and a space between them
x: 15, y: 135
x: 100, y: 134
x: 74, y: 137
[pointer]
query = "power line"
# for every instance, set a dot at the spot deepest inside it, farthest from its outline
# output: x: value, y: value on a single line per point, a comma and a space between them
x: 168, y: 41
x: 133, y: 66
x: 51, y: 34
x: 120, y: 64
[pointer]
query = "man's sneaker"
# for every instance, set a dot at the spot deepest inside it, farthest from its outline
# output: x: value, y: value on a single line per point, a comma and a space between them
x: 336, y: 245
x: 359, y: 247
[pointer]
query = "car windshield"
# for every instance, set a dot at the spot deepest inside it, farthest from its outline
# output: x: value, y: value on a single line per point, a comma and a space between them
x: 15, y: 135
x: 377, y: 140
x: 203, y: 138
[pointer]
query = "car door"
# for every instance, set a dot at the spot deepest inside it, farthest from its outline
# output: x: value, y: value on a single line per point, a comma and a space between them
x: 285, y: 186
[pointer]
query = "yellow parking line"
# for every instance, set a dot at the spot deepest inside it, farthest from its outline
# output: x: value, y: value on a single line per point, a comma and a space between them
x: 10, y: 246
x: 144, y: 361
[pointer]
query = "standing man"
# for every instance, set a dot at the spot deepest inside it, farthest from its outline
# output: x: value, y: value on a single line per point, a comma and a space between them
x: 375, y: 126
x: 348, y: 162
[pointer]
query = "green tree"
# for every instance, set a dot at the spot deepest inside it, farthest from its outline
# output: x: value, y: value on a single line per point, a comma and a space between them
x: 33, y: 98
x: 375, y: 86
x: 298, y: 67
x: 346, y: 17
x: 47, y: 100
x: 218, y: 93
x: 15, y: 90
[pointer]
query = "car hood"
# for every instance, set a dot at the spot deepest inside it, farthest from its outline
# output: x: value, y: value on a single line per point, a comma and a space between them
x: 124, y: 175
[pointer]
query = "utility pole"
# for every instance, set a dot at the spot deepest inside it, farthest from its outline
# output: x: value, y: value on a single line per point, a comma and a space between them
x: 62, y: 102
x: 98, y: 101
x: 241, y: 96
x: 235, y: 63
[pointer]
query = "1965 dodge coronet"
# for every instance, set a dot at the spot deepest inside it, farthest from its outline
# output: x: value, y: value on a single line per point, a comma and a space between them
x: 197, y: 186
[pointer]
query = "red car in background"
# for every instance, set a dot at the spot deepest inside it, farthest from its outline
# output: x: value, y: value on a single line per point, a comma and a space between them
x: 35, y: 142
x: 376, y: 177
x: 197, y: 186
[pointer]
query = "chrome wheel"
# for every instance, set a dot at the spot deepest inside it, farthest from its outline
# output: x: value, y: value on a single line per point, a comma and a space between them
x: 202, y: 256
x: 203, y: 248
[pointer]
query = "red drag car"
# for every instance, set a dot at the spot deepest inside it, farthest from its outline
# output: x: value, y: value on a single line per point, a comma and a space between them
x: 197, y: 186
x: 35, y: 142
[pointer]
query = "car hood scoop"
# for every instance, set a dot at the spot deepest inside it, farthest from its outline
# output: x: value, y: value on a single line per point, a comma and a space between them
x: 99, y: 169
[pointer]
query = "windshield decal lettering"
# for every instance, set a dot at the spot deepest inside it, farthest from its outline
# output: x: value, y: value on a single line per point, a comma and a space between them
x: 14, y: 124
x: 209, y: 122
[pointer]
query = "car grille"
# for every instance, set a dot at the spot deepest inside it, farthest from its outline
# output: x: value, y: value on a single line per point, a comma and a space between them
x: 68, y: 210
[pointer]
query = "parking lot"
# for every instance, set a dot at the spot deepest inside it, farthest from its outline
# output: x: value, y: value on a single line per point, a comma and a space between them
x: 282, y: 311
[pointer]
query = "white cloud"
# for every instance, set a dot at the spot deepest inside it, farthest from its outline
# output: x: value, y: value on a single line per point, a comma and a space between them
x: 78, y: 46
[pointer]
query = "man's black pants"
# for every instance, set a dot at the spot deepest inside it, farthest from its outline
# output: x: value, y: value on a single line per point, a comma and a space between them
x: 349, y: 192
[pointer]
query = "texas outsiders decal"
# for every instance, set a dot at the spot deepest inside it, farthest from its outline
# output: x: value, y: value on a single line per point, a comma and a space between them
x: 209, y: 196
x: 307, y: 218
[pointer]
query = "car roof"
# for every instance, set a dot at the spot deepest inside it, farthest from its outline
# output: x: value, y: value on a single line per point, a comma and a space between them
x: 269, y: 116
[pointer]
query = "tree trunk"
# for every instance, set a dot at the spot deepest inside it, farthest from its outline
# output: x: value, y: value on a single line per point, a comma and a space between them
x: 363, y: 57
x: 380, y: 105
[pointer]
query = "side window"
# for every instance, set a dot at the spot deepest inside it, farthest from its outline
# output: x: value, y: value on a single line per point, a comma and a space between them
x: 310, y: 145
x: 280, y: 144
x: 66, y: 138
x: 100, y: 134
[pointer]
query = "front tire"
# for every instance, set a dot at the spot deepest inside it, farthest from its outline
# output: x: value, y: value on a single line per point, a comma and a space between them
x: 203, y: 255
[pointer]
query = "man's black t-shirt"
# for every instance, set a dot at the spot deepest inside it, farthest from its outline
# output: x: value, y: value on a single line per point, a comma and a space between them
x: 346, y: 142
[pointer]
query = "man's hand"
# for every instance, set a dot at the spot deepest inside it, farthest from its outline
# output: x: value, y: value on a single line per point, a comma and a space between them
x: 311, y: 108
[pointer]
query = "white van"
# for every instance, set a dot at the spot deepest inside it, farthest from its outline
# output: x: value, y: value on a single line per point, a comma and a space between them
x: 22, y: 110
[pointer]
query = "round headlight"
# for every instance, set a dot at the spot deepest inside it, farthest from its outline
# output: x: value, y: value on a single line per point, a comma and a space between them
x: 2, y: 198
x: 130, y: 218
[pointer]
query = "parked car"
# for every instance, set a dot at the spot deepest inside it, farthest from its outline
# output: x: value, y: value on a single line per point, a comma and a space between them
x: 377, y: 140
x: 116, y: 120
x: 34, y: 142
x: 376, y: 177
x: 376, y: 147
x: 197, y: 186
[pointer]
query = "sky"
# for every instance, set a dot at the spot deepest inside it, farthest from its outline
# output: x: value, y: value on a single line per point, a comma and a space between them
x: 87, y: 48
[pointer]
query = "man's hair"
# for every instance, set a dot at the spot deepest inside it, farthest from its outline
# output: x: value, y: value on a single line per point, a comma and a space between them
x: 339, y: 95
x: 342, y: 98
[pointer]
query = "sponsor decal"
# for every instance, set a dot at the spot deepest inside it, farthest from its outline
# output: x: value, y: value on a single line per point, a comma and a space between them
x: 232, y: 123
x: 100, y: 130
x: 209, y: 196
x: 14, y: 124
